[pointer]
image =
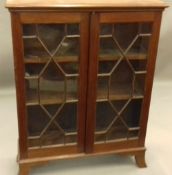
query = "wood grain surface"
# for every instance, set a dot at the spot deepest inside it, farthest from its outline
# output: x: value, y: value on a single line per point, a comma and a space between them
x: 83, y: 3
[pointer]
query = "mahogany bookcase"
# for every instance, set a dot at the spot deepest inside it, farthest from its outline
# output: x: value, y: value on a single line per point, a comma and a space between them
x: 84, y: 75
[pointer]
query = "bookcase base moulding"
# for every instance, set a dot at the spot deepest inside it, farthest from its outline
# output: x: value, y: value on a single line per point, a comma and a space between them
x: 84, y: 75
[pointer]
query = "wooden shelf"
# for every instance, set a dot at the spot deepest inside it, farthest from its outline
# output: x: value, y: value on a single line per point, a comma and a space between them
x: 73, y: 59
x: 130, y: 56
x: 44, y: 60
x: 118, y: 93
x: 53, y: 138
x: 49, y: 98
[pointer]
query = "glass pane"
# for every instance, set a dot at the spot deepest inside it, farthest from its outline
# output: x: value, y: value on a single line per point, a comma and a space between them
x: 73, y: 29
x: 63, y: 129
x: 51, y: 109
x: 121, y: 81
x: 71, y: 139
x: 51, y: 57
x: 100, y: 137
x: 117, y: 131
x: 125, y: 34
x: 139, y: 49
x: 42, y: 41
x: 145, y: 28
x: 33, y: 49
x: 106, y: 29
x: 131, y: 114
x: 122, y: 67
x: 29, y: 30
x: 102, y: 87
x: 104, y: 116
x: 56, y: 33
x: 109, y: 48
x: 72, y: 91
x: 31, y: 91
x: 119, y: 105
x: 139, y: 84
x: 52, y: 85
x: 139, y: 65
x: 68, y: 124
x: 69, y: 47
x: 33, y: 70
x: 109, y: 123
x: 52, y: 136
x: 38, y: 123
x: 133, y: 134
x: 70, y: 68
x: 106, y: 66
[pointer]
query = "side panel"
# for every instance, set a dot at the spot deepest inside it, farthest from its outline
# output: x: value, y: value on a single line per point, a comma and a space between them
x: 150, y: 77
x: 19, y: 79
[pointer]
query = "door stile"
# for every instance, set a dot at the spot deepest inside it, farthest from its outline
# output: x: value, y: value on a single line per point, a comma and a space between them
x: 84, y: 41
x: 92, y: 82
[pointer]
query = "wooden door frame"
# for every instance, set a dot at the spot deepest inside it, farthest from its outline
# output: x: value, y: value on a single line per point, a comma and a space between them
x: 92, y: 81
x: 119, y: 17
x: 19, y: 18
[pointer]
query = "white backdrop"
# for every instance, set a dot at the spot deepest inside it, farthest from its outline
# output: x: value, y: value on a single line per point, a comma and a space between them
x: 164, y: 59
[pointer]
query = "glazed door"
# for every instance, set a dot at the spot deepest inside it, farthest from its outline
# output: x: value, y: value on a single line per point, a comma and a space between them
x: 55, y: 59
x: 120, y: 54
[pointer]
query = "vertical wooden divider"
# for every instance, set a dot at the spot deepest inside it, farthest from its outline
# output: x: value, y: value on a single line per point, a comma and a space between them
x: 92, y: 82
x: 83, y: 69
